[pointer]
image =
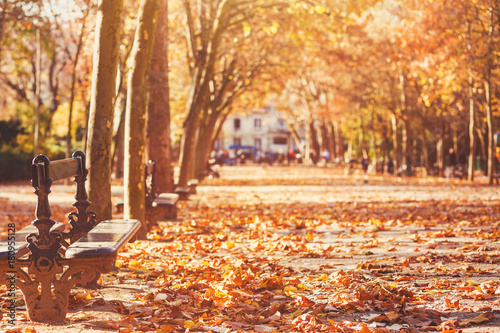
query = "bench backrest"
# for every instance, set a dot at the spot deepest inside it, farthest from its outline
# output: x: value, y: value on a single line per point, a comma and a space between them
x: 43, y: 169
x: 44, y: 172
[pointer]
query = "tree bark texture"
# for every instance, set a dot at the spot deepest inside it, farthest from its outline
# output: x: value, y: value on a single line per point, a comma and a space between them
x: 135, y: 115
x: 188, y: 141
x: 100, y: 131
x: 158, y: 114
x: 203, y: 145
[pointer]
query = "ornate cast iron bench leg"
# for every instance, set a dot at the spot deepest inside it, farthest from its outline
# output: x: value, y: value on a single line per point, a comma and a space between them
x: 49, y: 303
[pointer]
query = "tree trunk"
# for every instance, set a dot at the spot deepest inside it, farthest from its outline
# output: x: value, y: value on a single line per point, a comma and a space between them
x: 349, y: 151
x: 325, y: 142
x: 455, y: 140
x: 158, y: 115
x: 373, y: 141
x: 296, y: 139
x: 387, y: 149
x: 440, y: 154
x: 394, y: 123
x: 472, y: 142
x: 314, y: 142
x: 135, y: 116
x: 483, y: 145
x: 333, y: 129
x: 425, y: 152
x: 362, y: 145
x: 188, y: 141
x: 340, y: 140
x: 307, y: 148
x: 100, y: 131
x: 491, y: 135
x: 202, y: 149
x: 218, y: 128
x: 404, y: 144
x: 119, y: 149
x: 205, y: 143
x: 404, y: 137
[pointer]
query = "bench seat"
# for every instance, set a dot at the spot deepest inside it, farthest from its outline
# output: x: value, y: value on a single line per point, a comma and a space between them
x: 164, y: 207
x: 166, y: 199
x: 104, y: 240
x: 183, y: 193
x: 20, y: 243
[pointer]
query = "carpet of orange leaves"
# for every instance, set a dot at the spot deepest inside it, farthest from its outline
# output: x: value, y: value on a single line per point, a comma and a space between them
x: 276, y: 262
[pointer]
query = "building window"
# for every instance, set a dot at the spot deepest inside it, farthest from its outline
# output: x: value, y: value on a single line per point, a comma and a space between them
x: 237, y: 124
x: 279, y: 140
x: 237, y: 142
x: 257, y: 123
x: 257, y: 144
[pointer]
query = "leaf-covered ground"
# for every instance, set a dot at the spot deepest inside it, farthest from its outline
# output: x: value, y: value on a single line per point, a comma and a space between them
x: 301, y: 250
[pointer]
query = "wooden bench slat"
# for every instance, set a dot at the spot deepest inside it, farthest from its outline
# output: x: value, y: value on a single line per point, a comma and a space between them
x: 103, y: 240
x: 62, y: 169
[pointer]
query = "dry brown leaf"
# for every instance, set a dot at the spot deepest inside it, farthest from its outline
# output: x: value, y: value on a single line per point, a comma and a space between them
x: 482, y: 318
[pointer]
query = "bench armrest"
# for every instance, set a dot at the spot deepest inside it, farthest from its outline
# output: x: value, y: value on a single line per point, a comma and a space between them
x: 20, y: 243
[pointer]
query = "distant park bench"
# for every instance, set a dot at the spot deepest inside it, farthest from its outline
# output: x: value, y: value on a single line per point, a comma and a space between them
x: 47, y: 260
x: 158, y: 205
x: 184, y: 192
x: 496, y: 177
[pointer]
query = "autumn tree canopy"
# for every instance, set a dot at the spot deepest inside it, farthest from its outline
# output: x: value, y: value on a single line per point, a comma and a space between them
x: 399, y: 80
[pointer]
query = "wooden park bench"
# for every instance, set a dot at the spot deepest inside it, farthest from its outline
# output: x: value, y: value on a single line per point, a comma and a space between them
x: 158, y: 205
x: 496, y: 177
x: 185, y: 192
x: 46, y: 261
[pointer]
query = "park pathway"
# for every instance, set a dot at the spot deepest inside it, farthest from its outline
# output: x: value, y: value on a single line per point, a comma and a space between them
x: 434, y: 239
